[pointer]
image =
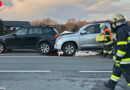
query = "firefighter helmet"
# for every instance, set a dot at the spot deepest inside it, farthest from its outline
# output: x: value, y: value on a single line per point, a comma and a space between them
x: 118, y: 17
x: 103, y: 26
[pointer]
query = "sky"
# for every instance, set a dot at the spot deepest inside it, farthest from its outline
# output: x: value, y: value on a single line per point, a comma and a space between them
x: 61, y: 10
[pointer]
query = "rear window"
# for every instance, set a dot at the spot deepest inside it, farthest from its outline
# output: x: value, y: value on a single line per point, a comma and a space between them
x: 48, y: 30
x: 35, y: 30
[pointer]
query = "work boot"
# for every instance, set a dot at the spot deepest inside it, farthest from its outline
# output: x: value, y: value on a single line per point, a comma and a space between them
x: 110, y: 56
x: 110, y: 85
x: 104, y: 55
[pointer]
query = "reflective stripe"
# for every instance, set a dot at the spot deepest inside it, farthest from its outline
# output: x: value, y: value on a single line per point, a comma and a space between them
x: 117, y: 65
x: 114, y: 34
x: 125, y: 61
x: 108, y: 43
x: 114, y: 57
x: 105, y: 51
x: 107, y: 35
x: 128, y: 84
x: 120, y: 53
x: 128, y: 38
x: 115, y: 77
x: 109, y: 52
x: 122, y: 43
x: 117, y: 61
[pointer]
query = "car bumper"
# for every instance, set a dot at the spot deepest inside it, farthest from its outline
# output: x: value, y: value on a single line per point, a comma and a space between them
x: 58, y: 45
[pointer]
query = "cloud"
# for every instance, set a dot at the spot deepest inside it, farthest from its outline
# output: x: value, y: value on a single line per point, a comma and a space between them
x: 7, y: 2
x: 37, y: 8
x: 104, y: 9
x: 100, y: 5
x: 124, y: 8
x: 62, y: 9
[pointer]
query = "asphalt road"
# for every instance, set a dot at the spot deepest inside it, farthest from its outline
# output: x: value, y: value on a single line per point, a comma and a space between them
x: 33, y: 71
x: 54, y: 63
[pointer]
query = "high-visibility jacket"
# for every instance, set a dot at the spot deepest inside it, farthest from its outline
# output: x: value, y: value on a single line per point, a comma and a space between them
x: 123, y: 43
x: 108, y: 36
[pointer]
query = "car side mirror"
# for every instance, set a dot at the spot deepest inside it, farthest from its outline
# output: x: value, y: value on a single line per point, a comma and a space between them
x: 83, y: 32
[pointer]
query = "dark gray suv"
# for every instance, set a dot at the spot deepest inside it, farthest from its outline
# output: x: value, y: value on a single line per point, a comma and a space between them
x: 37, y: 37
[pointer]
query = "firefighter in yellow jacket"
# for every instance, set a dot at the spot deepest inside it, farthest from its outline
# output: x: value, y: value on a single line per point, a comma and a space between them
x: 108, y: 41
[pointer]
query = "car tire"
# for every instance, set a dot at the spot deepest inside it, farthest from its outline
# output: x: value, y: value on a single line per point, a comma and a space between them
x: 69, y: 49
x: 45, y: 48
x: 2, y: 48
x: 9, y: 50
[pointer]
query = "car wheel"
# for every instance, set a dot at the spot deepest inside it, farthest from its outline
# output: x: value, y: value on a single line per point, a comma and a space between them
x: 45, y: 48
x: 69, y: 49
x: 9, y: 50
x: 2, y: 48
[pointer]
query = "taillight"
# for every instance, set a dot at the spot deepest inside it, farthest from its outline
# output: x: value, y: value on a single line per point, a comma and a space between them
x: 56, y: 36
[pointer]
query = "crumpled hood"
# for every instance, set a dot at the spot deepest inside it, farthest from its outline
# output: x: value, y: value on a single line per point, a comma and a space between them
x: 66, y: 34
x: 69, y: 35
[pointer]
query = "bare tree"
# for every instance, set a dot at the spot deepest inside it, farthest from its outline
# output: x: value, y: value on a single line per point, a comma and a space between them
x: 1, y: 27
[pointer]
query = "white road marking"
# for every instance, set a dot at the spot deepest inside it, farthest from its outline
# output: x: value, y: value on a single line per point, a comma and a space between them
x: 22, y: 56
x: 25, y: 71
x: 2, y: 88
x: 46, y: 71
x: 95, y: 71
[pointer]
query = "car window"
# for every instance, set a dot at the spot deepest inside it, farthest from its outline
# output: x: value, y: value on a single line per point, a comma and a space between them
x: 97, y: 28
x: 35, y: 31
x: 21, y: 31
x: 90, y: 30
x: 93, y: 29
x: 40, y: 31
x: 47, y: 30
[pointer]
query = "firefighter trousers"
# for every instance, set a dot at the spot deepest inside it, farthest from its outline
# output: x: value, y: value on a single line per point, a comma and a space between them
x: 107, y: 49
x: 125, y: 68
x: 117, y: 72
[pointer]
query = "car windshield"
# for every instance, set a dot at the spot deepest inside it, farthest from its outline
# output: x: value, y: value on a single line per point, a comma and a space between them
x: 21, y: 31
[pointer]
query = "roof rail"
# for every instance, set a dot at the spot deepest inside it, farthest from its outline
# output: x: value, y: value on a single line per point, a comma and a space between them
x: 53, y: 26
x: 102, y: 21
